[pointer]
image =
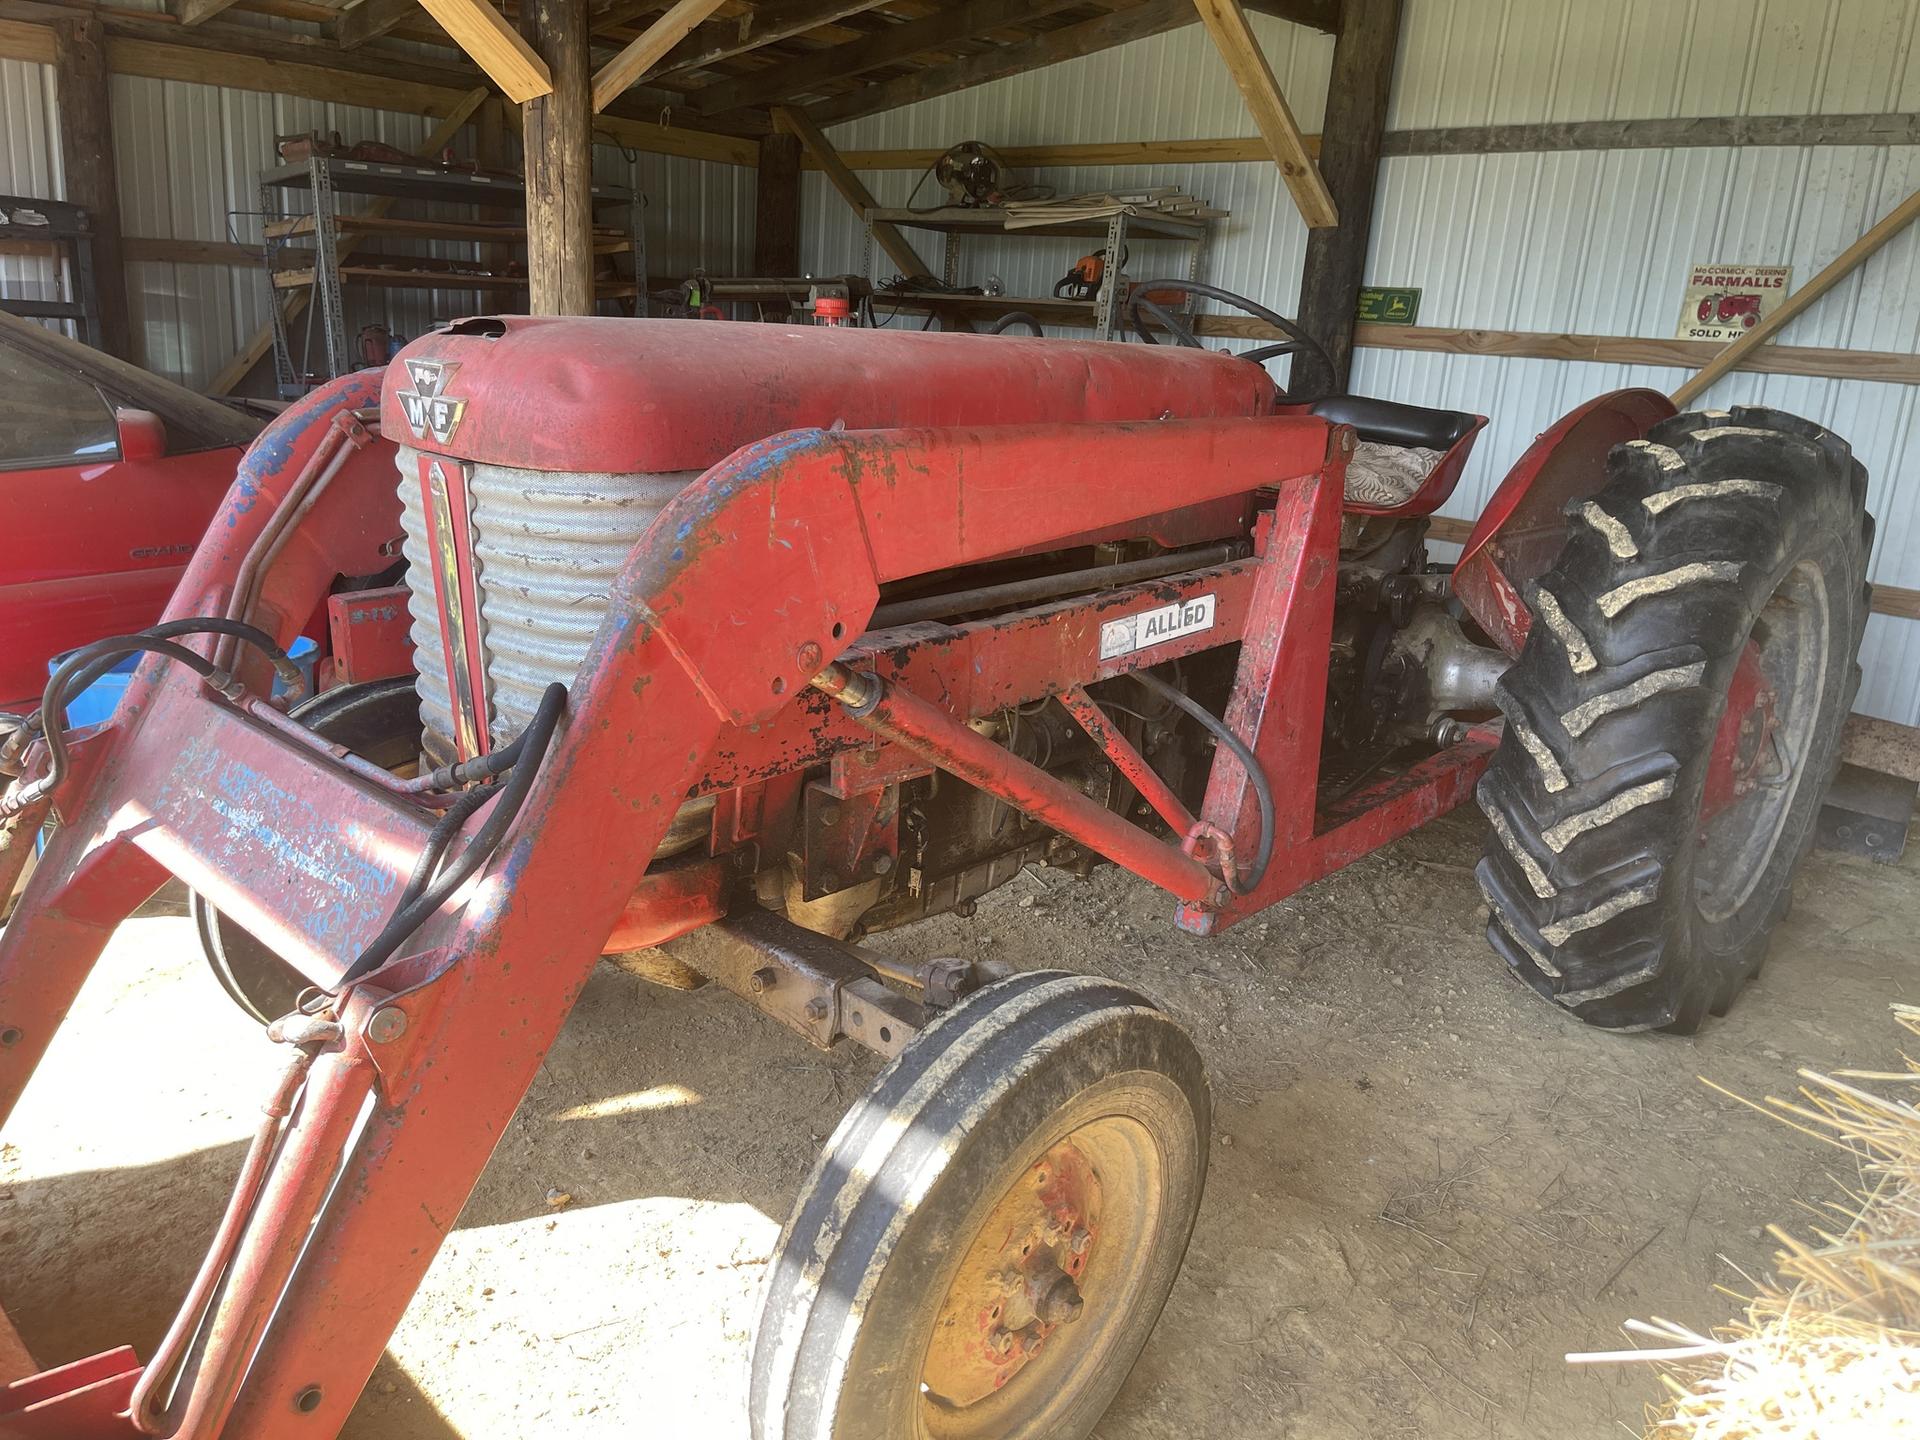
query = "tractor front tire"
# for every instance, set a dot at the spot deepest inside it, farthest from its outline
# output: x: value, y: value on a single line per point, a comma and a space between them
x: 1616, y: 887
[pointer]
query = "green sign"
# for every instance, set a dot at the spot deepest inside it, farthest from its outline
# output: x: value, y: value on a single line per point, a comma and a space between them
x: 1384, y: 306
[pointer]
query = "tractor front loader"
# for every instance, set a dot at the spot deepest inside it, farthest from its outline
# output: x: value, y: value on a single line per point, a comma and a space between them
x: 737, y: 645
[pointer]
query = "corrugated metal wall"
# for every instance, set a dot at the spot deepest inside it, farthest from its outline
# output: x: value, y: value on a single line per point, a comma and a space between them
x: 189, y: 157
x: 29, y: 165
x: 1593, y: 243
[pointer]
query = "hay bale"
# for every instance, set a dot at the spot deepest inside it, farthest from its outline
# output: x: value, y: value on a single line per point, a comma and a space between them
x: 1830, y: 1345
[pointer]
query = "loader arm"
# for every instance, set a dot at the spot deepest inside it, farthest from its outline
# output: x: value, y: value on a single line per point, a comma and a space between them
x: 330, y: 1240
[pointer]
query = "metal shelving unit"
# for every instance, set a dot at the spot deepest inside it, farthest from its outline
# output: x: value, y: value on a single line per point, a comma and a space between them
x: 69, y: 231
x: 324, y: 178
x: 954, y: 223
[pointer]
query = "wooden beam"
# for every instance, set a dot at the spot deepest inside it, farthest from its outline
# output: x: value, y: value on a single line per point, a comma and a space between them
x: 1226, y: 22
x: 495, y: 46
x: 326, y: 74
x: 85, y: 111
x: 1735, y: 132
x: 1830, y: 363
x: 1793, y: 131
x: 1322, y: 15
x: 29, y: 41
x: 235, y: 371
x: 221, y: 40
x: 369, y: 20
x: 1070, y: 42
x: 1357, y: 95
x: 191, y: 252
x: 195, y: 12
x: 776, y: 206
x: 1229, y: 150
x: 890, y: 46
x: 761, y: 24
x: 644, y: 51
x: 316, y: 81
x: 1844, y: 264
x: 557, y: 130
x: 799, y: 125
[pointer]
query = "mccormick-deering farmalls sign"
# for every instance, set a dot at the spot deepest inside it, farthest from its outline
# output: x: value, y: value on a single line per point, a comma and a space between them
x: 1723, y: 302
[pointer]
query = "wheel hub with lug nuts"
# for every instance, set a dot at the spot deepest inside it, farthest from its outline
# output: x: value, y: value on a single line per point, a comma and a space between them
x: 1018, y: 1286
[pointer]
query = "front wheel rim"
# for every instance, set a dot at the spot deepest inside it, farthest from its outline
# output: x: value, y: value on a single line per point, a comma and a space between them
x: 1045, y: 1284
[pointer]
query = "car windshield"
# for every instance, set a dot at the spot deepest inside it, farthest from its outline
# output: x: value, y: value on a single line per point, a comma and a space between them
x: 49, y: 417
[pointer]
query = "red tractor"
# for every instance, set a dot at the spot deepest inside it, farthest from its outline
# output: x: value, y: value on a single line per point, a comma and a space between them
x: 738, y: 645
x: 1727, y: 310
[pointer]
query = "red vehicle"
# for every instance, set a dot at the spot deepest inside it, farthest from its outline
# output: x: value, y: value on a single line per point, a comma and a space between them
x: 110, y: 475
x: 1721, y: 309
x: 737, y: 642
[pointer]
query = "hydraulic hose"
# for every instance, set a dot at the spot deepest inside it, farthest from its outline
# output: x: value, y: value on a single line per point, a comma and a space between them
x: 53, y: 700
x: 1016, y: 317
x: 1263, y: 793
x: 90, y: 662
x: 283, y: 665
x: 425, y: 893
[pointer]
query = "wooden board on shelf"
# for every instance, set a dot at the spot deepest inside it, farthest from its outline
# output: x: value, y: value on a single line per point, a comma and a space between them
x: 608, y: 240
x: 394, y: 279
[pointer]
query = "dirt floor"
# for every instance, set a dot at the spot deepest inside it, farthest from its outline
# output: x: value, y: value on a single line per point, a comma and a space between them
x: 1427, y: 1186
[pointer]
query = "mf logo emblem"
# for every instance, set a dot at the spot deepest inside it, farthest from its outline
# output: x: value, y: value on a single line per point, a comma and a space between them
x: 430, y: 410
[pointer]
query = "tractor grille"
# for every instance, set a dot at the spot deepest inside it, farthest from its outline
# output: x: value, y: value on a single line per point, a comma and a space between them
x: 547, y: 546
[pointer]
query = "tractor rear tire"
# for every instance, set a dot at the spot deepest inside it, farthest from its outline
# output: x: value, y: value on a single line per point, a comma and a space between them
x: 991, y: 1233
x: 1611, y: 891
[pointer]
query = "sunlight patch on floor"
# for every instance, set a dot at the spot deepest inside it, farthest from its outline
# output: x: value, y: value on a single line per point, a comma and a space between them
x: 153, y: 1062
x: 655, y: 1097
x: 624, y: 1319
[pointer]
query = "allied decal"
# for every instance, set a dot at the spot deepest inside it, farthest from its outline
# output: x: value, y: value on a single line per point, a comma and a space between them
x: 431, y: 412
x: 1153, y: 627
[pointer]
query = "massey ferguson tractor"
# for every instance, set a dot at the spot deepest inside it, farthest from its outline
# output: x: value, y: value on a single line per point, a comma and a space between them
x: 737, y: 645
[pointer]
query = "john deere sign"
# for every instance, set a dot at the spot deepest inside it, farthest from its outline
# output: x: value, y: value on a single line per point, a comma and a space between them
x: 1383, y: 306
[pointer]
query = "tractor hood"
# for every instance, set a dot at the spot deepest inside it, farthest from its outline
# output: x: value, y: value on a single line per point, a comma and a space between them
x: 619, y: 396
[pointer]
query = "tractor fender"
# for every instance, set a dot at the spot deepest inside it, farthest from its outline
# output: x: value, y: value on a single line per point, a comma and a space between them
x: 1520, y: 532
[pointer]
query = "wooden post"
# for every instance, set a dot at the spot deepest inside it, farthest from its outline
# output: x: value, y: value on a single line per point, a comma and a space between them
x: 859, y: 199
x: 86, y: 154
x: 1357, y: 95
x: 776, y: 208
x: 558, y: 137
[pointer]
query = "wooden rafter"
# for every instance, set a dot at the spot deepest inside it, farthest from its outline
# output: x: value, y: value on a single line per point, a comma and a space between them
x: 1226, y: 22
x: 285, y: 63
x: 195, y: 12
x: 1315, y: 14
x: 764, y: 24
x: 495, y: 46
x: 890, y: 46
x: 852, y: 190
x: 645, y: 50
x: 369, y: 20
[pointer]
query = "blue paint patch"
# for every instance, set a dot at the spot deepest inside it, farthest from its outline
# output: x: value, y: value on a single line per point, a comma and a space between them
x: 272, y: 451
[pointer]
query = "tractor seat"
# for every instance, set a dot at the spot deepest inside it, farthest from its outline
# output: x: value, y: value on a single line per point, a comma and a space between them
x: 1409, y: 457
